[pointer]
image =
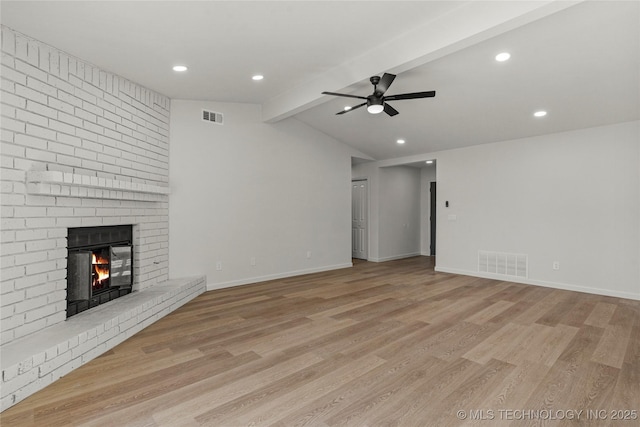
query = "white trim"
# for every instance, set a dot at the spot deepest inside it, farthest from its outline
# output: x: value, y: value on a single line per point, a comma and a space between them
x: 563, y: 286
x: 394, y: 257
x: 251, y: 280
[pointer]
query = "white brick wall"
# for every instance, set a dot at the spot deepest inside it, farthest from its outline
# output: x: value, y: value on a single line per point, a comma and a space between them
x: 62, y: 114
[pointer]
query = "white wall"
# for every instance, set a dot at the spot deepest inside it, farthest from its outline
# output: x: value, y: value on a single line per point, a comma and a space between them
x: 247, y: 189
x: 394, y: 210
x: 398, y: 212
x: 427, y: 176
x: 571, y: 197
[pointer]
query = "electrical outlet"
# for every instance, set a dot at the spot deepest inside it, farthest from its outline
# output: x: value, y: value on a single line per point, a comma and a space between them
x: 556, y: 265
x: 219, y: 266
x: 253, y: 261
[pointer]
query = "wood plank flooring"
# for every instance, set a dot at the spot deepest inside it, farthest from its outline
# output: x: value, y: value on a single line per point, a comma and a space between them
x: 388, y: 344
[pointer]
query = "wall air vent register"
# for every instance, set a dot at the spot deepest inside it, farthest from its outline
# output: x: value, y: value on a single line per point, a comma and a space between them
x: 504, y: 264
x: 212, y: 116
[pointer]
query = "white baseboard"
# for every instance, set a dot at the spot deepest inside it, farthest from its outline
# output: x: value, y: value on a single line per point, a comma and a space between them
x: 394, y: 257
x: 257, y: 279
x: 554, y: 285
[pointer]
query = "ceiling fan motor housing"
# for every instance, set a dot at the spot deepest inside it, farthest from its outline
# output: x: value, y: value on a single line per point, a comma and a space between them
x: 374, y: 100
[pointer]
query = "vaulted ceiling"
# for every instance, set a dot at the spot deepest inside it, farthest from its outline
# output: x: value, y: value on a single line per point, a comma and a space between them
x: 579, y: 61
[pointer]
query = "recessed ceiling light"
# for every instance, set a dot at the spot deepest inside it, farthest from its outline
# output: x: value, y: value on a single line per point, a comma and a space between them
x: 429, y: 162
x: 347, y: 108
x: 501, y: 57
x: 540, y: 113
x: 179, y: 68
x: 401, y: 141
x: 258, y: 77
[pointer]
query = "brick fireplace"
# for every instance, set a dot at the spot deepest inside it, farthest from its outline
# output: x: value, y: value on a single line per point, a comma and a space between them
x: 81, y: 147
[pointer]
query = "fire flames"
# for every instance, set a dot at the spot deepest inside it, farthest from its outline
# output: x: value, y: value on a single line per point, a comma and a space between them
x: 100, y: 268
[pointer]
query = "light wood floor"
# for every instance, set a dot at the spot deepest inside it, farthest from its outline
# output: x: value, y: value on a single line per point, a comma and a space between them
x: 384, y: 344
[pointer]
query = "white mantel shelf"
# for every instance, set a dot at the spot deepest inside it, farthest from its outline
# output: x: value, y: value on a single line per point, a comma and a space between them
x: 57, y: 183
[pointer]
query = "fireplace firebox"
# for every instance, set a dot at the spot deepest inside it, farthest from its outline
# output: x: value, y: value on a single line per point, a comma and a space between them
x: 99, y: 266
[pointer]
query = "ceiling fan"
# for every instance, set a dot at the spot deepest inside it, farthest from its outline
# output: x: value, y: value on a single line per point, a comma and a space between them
x: 377, y: 102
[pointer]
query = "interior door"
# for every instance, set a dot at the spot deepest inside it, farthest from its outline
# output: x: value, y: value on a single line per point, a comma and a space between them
x: 359, y: 219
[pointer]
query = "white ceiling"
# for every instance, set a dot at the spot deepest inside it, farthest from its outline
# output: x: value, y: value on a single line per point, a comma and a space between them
x: 580, y: 61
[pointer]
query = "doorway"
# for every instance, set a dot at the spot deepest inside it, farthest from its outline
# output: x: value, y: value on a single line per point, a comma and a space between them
x: 428, y: 208
x: 432, y: 217
x: 359, y: 219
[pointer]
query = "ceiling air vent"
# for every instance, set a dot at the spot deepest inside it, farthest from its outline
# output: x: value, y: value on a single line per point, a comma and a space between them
x: 211, y: 116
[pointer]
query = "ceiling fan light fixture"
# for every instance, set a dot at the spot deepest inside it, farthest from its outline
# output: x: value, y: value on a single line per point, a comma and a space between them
x: 375, y: 104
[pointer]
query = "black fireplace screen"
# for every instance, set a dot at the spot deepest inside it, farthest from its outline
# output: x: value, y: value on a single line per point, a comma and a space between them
x: 99, y: 266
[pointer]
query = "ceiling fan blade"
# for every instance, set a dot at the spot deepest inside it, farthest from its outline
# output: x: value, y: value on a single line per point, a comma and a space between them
x: 352, y: 108
x: 414, y: 95
x: 384, y: 83
x: 390, y: 110
x: 344, y: 94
